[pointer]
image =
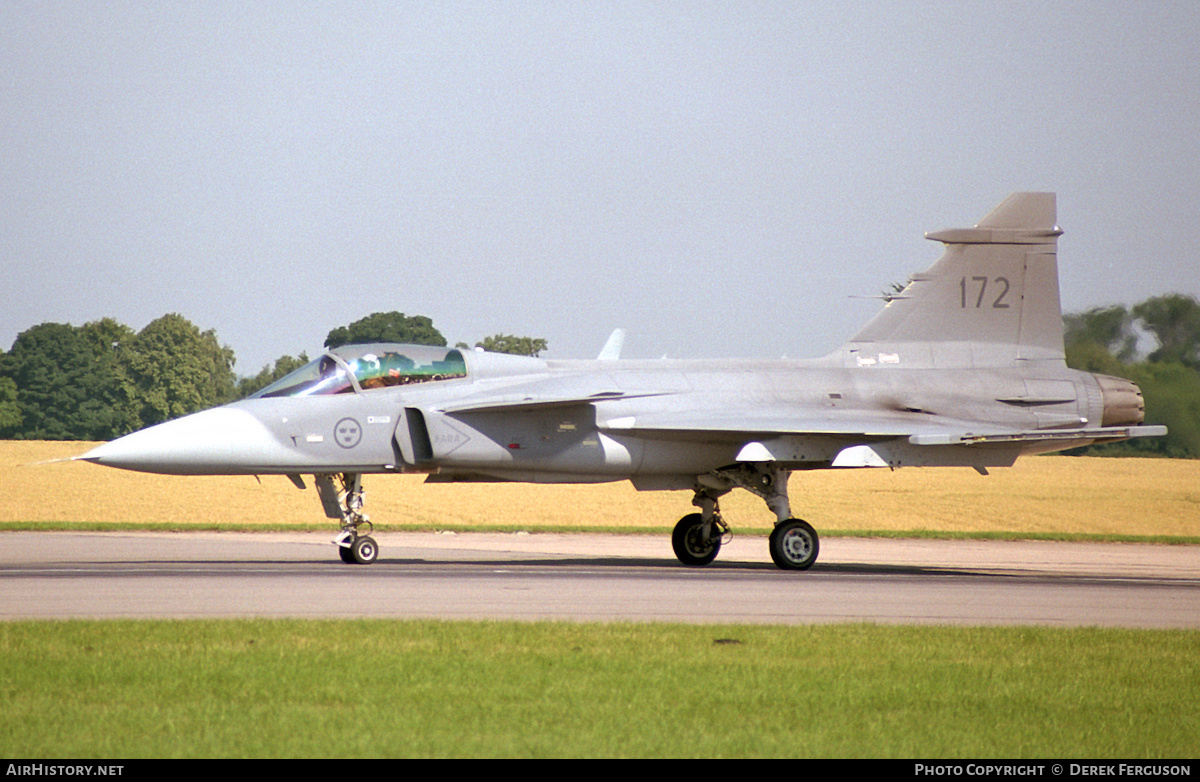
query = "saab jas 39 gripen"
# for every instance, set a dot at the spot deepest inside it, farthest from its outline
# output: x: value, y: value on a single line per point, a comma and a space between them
x: 963, y: 366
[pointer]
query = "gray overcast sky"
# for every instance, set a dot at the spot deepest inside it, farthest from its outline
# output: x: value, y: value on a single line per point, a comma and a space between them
x: 720, y: 179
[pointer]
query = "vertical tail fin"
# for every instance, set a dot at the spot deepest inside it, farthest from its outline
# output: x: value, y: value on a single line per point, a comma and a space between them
x: 991, y: 300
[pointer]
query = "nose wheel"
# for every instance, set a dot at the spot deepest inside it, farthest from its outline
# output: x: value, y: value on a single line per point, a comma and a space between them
x: 358, y: 551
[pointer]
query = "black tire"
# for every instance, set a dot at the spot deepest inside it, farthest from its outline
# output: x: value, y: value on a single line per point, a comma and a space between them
x: 690, y: 547
x: 365, y: 550
x: 794, y: 545
x: 347, y: 554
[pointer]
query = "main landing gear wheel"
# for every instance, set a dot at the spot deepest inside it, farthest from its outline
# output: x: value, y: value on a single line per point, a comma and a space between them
x: 794, y: 545
x: 690, y: 544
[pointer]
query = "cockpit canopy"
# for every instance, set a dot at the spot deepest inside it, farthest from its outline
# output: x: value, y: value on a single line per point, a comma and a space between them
x: 359, y: 368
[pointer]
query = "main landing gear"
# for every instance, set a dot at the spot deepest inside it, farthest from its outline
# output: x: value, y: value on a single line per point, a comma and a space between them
x: 698, y: 536
x: 342, y: 496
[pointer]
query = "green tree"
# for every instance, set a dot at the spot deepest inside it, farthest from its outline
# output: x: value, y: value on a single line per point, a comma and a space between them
x: 1105, y: 340
x: 387, y: 327
x: 1100, y: 340
x: 1172, y: 394
x: 1174, y: 319
x: 171, y: 368
x: 106, y: 337
x: 518, y: 346
x: 10, y: 412
x: 284, y: 365
x: 110, y: 406
x: 64, y: 390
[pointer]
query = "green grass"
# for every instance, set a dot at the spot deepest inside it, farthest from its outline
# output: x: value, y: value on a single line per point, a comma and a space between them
x: 255, y: 688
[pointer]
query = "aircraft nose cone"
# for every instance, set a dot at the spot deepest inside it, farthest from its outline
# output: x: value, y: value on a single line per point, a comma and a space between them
x: 219, y: 441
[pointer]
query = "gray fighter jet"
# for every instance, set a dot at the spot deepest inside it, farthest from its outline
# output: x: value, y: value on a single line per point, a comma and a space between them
x: 964, y: 366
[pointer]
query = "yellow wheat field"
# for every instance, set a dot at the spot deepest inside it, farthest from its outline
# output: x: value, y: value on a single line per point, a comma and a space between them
x: 1039, y: 495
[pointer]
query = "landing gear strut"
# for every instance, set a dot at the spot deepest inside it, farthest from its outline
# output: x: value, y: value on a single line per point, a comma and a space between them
x: 697, y: 537
x: 342, y: 496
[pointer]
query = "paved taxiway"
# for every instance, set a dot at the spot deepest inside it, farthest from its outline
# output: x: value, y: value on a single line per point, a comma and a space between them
x: 595, y: 578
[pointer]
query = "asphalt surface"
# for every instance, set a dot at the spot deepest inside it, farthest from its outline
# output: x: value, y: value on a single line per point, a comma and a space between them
x: 595, y: 578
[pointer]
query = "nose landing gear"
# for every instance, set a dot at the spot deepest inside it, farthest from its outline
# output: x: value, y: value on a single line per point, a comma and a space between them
x: 342, y: 496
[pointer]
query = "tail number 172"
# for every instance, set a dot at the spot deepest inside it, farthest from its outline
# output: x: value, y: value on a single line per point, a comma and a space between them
x: 976, y: 289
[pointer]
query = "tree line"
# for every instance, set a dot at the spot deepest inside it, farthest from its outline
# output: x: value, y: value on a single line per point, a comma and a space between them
x: 1156, y: 344
x: 102, y: 380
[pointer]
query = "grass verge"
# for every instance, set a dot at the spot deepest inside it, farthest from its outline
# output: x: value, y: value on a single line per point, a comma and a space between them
x: 289, y: 688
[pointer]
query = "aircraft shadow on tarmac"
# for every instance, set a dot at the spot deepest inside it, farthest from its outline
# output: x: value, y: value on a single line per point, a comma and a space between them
x: 716, y: 568
x: 551, y: 565
x: 384, y: 565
